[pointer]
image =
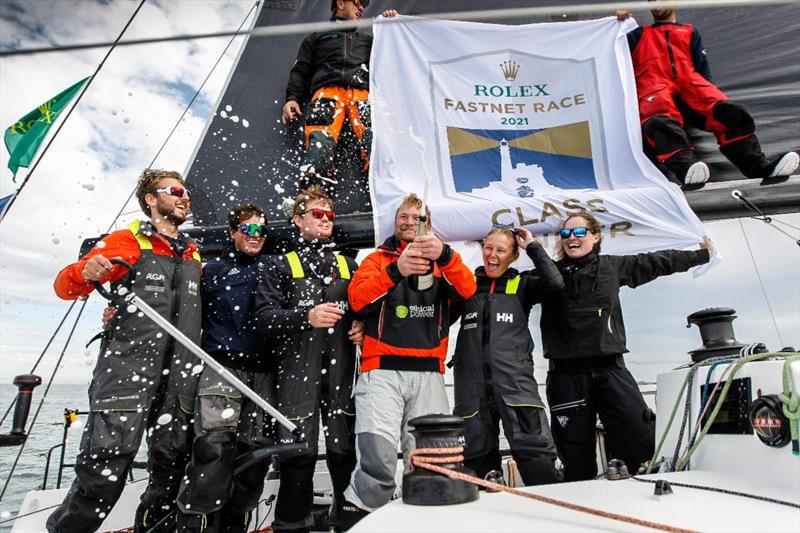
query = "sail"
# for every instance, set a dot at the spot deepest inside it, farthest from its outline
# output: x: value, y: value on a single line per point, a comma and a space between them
x: 248, y: 154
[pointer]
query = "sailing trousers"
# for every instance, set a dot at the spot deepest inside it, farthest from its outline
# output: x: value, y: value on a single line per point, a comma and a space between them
x: 577, y: 399
x: 329, y: 108
x: 296, y: 491
x: 211, y: 497
x: 528, y: 435
x: 108, y: 446
x: 385, y: 401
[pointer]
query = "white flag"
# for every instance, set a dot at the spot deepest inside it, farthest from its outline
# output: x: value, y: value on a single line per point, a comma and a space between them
x: 517, y: 125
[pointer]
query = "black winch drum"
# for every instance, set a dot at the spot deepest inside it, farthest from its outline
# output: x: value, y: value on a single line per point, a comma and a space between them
x: 423, y: 487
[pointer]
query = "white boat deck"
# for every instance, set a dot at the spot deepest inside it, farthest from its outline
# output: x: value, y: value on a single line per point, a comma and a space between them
x: 686, y: 508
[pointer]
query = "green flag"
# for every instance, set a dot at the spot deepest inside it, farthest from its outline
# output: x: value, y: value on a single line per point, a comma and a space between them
x: 24, y: 136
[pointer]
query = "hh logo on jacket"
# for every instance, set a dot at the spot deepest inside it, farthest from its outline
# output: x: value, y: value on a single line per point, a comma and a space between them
x: 505, y: 317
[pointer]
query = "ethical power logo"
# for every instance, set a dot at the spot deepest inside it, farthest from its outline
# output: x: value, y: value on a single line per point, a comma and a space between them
x: 414, y: 311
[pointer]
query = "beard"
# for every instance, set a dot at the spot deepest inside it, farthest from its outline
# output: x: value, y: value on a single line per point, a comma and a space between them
x: 167, y: 212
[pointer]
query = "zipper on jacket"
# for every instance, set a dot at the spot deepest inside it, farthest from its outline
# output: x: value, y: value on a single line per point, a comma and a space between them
x: 380, y: 321
x: 671, y: 56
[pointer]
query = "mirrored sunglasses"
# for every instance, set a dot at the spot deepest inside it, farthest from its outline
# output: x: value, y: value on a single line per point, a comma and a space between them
x: 174, y: 190
x: 319, y: 213
x: 578, y: 232
x: 252, y: 229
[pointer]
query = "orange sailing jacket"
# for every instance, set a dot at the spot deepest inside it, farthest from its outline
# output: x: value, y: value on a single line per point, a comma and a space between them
x: 406, y: 329
x: 126, y: 244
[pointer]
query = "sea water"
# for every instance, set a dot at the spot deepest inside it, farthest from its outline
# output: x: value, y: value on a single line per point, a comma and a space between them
x: 48, y: 432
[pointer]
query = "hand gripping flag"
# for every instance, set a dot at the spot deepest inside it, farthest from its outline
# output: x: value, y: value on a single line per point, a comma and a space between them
x: 24, y: 136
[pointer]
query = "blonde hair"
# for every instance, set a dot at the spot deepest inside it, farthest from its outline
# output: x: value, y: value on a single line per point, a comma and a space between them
x: 312, y: 192
x: 412, y: 200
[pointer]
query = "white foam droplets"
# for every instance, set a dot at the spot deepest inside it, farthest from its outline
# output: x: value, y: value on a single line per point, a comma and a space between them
x: 100, y: 244
x: 327, y: 280
x: 279, y: 189
x: 330, y: 331
x: 244, y: 145
x: 159, y: 335
x: 197, y: 369
x: 333, y: 361
x: 105, y: 472
x: 228, y: 108
x: 122, y: 291
x: 226, y: 413
x: 112, y: 478
x: 234, y: 119
x: 131, y: 308
x: 103, y: 515
x: 223, y: 114
x: 245, y: 123
x: 5, y: 514
x: 164, y: 419
x: 165, y: 372
x: 234, y: 183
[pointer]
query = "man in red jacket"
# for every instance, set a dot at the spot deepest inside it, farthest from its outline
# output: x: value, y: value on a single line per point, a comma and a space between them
x: 405, y: 343
x: 142, y: 384
x: 671, y: 69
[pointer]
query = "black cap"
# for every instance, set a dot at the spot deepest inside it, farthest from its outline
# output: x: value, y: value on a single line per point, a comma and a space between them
x: 364, y: 4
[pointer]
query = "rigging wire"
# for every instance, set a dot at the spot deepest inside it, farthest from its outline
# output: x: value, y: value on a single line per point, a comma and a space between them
x: 479, y: 15
x: 71, y: 109
x: 188, y: 106
x: 44, y: 397
x: 39, y: 360
x: 761, y: 282
x: 763, y: 217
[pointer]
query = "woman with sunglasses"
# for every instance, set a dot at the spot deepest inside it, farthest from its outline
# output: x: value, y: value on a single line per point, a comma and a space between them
x: 493, y: 361
x: 584, y: 339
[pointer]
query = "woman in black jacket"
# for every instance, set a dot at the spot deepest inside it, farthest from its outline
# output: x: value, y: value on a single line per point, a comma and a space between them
x: 493, y: 360
x: 584, y: 338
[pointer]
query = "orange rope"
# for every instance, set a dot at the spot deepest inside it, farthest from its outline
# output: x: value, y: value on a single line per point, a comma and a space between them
x: 419, y: 458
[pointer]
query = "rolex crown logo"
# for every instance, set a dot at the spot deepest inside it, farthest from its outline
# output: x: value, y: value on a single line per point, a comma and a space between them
x: 510, y: 69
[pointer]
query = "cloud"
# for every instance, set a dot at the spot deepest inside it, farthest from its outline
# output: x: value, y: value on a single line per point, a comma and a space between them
x: 91, y: 169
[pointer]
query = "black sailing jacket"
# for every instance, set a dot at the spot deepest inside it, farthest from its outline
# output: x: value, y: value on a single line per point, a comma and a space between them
x: 585, y: 318
x: 335, y: 57
x: 494, y: 336
x: 308, y: 358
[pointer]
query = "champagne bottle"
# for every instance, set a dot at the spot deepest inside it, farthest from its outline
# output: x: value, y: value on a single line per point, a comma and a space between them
x: 422, y: 282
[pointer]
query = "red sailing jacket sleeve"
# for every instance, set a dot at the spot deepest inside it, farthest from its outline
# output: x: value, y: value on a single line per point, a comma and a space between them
x: 70, y: 285
x: 459, y: 276
x: 372, y: 280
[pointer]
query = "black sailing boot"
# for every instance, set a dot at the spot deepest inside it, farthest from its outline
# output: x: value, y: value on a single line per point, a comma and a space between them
x: 746, y: 154
x: 351, y: 514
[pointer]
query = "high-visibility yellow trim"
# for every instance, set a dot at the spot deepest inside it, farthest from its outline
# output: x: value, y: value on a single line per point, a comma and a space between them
x: 513, y: 284
x: 344, y: 271
x: 142, y: 240
x: 470, y: 416
x: 295, y: 265
x: 196, y: 256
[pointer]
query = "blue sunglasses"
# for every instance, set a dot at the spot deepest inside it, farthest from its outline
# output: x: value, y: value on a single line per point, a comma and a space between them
x: 578, y: 232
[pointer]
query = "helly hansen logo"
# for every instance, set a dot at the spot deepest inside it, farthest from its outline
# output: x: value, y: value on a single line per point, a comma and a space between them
x: 153, y: 276
x: 192, y: 287
x: 343, y: 304
x: 505, y: 317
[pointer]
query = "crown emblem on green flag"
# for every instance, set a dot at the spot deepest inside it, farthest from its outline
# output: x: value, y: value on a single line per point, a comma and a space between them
x: 23, y: 137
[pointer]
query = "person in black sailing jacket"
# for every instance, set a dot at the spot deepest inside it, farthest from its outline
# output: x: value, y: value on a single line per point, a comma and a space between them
x: 584, y: 339
x: 301, y: 302
x: 226, y: 423
x: 332, y: 72
x: 493, y: 361
x: 141, y: 384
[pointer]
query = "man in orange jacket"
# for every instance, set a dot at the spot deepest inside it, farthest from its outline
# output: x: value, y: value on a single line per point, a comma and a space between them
x: 143, y: 379
x: 405, y: 343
